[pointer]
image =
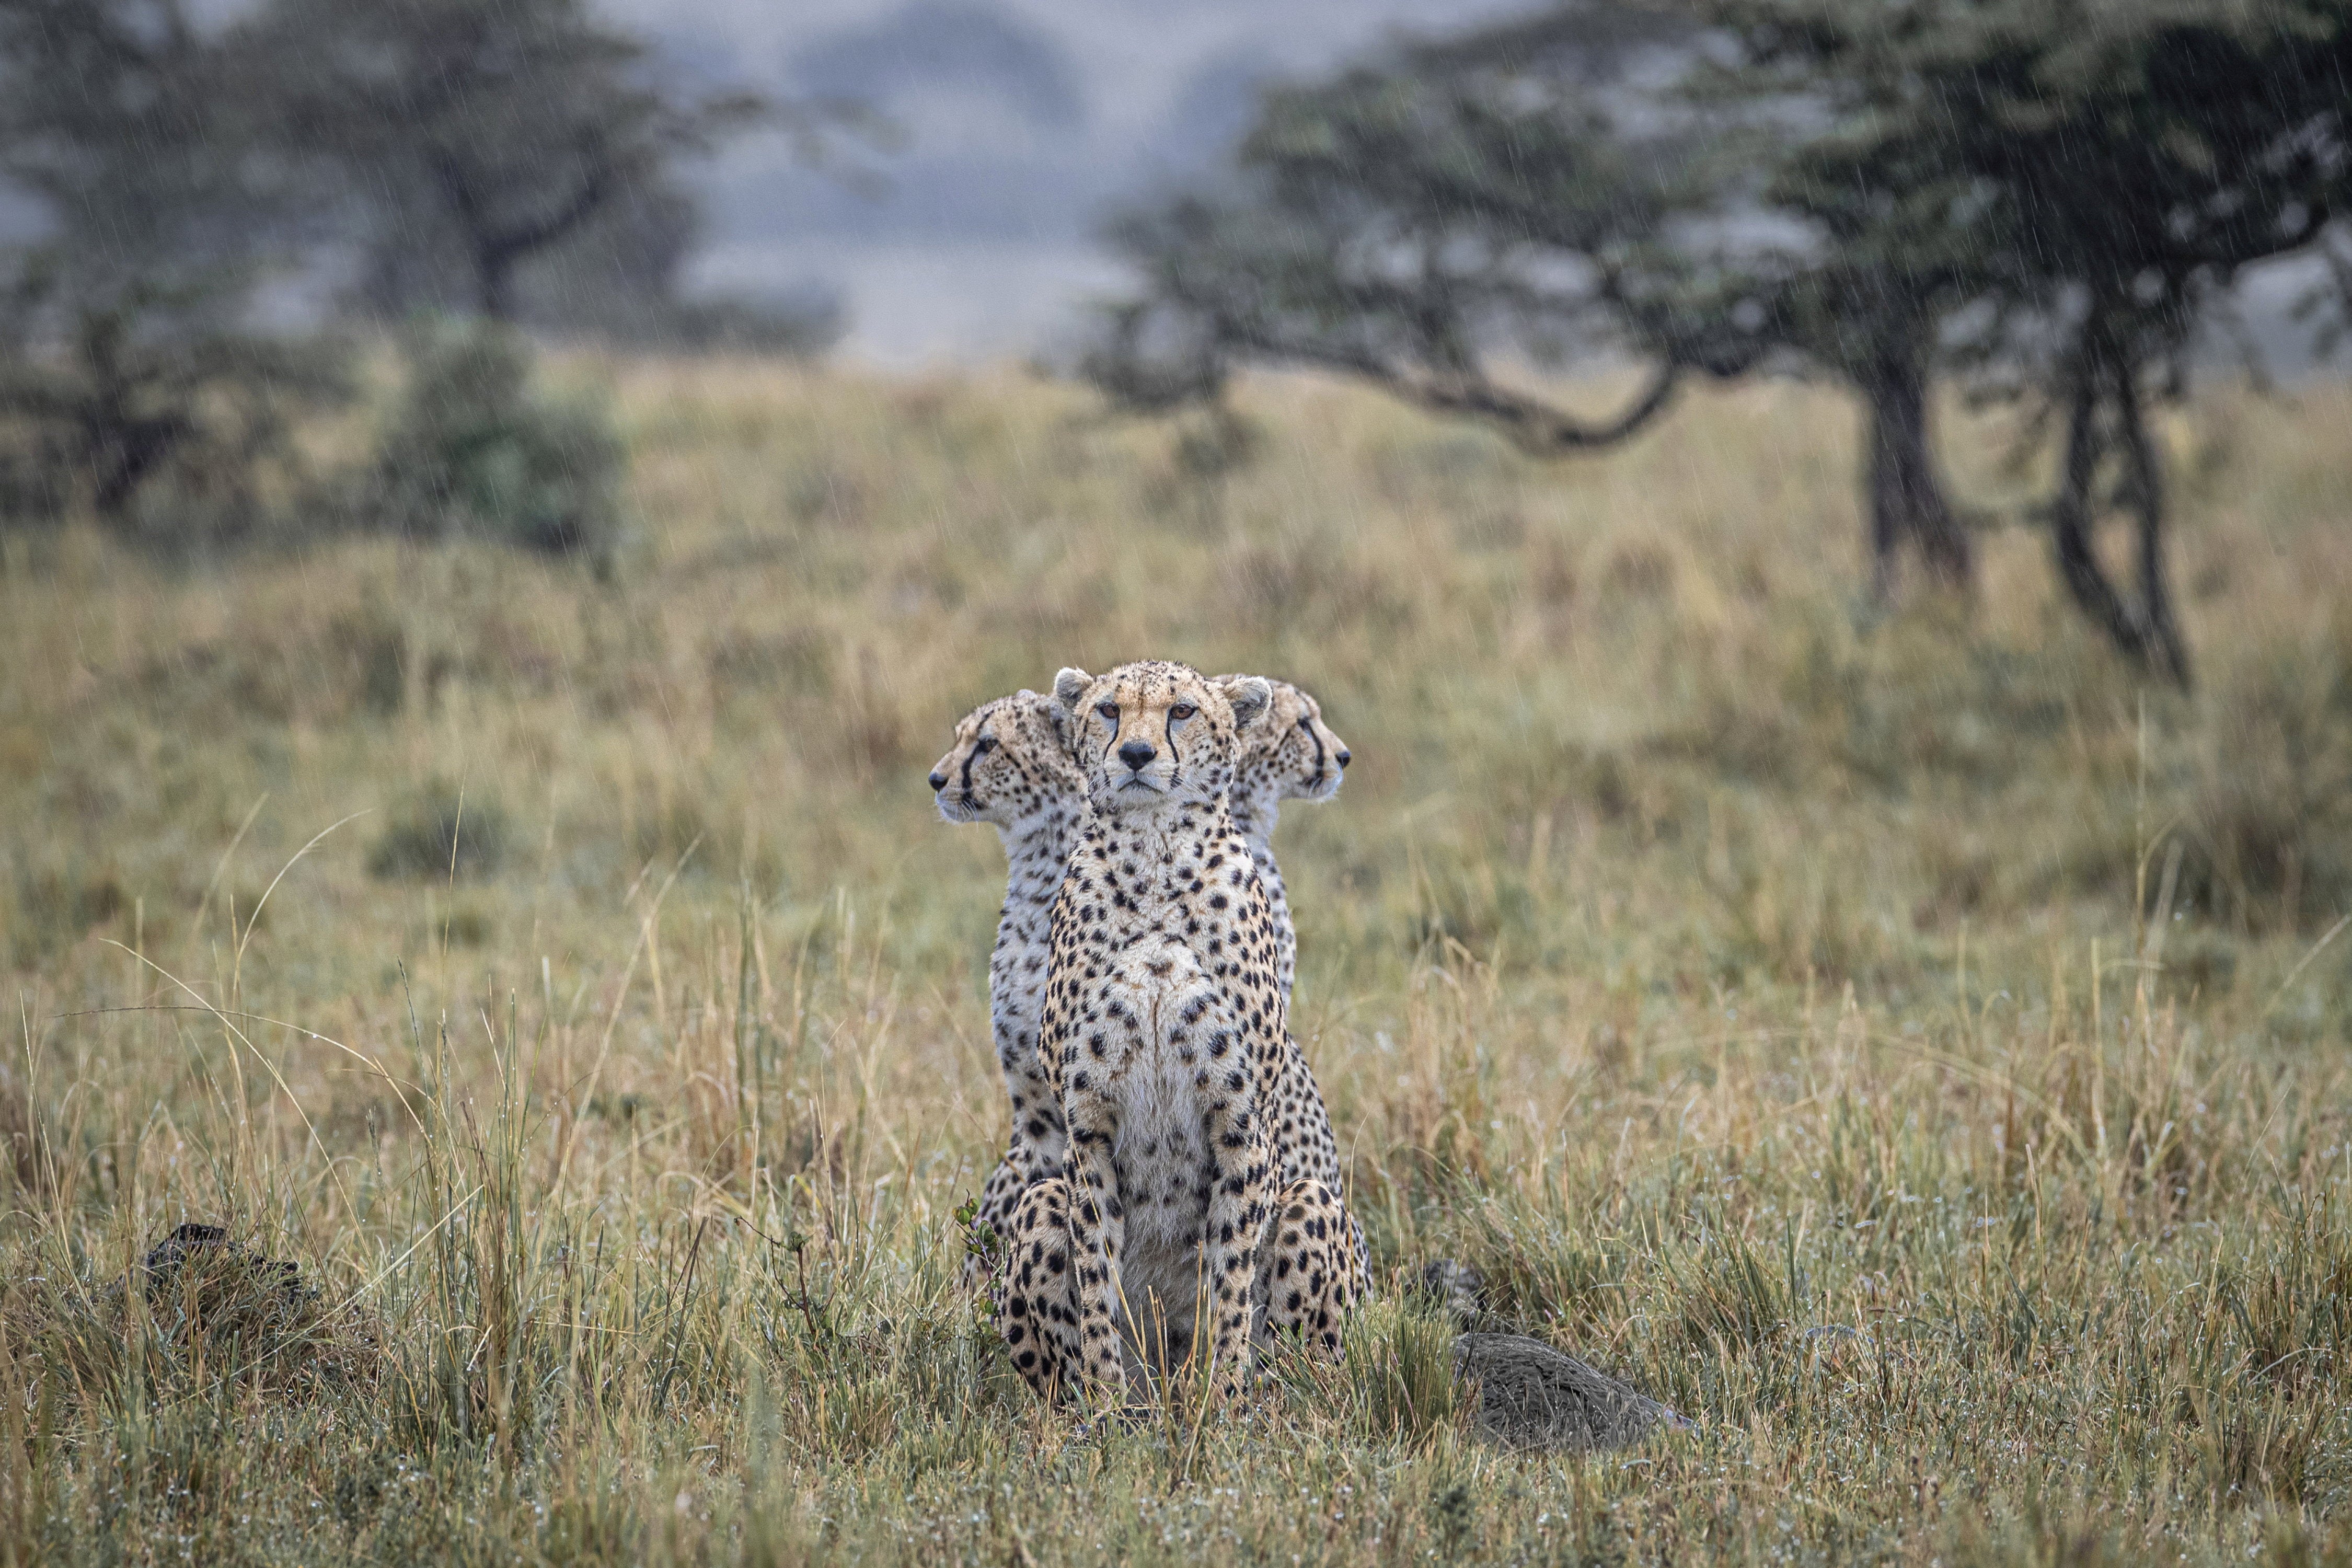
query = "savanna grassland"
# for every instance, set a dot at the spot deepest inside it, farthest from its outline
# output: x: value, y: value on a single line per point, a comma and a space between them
x: 1903, y: 1044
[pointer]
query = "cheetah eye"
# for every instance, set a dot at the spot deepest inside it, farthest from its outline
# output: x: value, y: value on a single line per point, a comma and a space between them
x: 1308, y: 725
x: 984, y: 745
x: 1108, y: 711
x: 1183, y: 710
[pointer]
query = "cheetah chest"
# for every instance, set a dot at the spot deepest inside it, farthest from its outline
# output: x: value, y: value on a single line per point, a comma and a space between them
x: 1185, y: 1060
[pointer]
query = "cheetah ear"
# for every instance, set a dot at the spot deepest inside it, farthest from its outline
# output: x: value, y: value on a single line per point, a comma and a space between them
x: 1046, y: 722
x: 1069, y: 686
x: 1251, y: 696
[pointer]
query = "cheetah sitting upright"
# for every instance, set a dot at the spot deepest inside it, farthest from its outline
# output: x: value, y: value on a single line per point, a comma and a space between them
x: 1162, y: 1036
x: 1010, y: 768
x: 1290, y: 754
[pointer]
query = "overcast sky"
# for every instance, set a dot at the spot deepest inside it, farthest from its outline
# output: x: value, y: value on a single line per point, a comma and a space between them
x: 1024, y: 121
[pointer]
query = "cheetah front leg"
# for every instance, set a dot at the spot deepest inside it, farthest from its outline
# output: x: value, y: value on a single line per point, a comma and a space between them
x: 1037, y: 1298
x: 1312, y: 1272
x: 1098, y: 1238
x: 1237, y: 1214
x: 1000, y: 1199
x: 1033, y: 1154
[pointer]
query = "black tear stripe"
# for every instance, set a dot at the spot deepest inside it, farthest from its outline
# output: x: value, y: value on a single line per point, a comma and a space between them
x: 968, y: 757
x: 1308, y: 725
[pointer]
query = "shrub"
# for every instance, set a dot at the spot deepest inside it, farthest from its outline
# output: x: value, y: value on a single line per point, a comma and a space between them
x: 474, y: 451
x: 151, y: 406
x: 55, y: 909
x: 217, y: 1316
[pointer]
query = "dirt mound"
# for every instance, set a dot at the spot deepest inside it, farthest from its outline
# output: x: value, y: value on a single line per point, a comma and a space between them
x: 199, y: 1308
x: 228, y: 1272
x: 1532, y: 1397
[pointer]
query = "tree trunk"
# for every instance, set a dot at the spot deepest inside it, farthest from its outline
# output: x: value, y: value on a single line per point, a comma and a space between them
x: 2166, y: 649
x: 2142, y: 629
x: 498, y: 249
x: 1907, y: 503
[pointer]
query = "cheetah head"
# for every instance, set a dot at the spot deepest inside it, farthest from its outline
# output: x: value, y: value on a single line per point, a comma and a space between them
x: 1009, y: 764
x: 1290, y: 754
x: 1155, y: 734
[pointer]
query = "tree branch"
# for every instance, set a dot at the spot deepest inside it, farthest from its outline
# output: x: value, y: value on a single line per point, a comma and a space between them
x: 1537, y: 427
x: 595, y: 187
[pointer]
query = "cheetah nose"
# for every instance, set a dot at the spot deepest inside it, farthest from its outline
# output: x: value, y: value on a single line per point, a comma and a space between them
x: 1135, y: 754
x: 939, y: 780
x: 1343, y: 759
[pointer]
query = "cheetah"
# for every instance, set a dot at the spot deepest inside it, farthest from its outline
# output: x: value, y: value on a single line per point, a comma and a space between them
x: 1291, y: 755
x: 1163, y: 1036
x: 1010, y: 768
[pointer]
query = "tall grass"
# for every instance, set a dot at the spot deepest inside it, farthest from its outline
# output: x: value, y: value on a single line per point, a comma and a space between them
x: 1900, y: 1044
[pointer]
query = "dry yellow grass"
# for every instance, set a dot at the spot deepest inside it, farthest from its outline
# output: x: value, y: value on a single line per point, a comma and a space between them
x: 1762, y: 996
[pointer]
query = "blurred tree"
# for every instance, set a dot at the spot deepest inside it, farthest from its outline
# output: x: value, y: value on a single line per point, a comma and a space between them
x: 125, y: 123
x: 619, y: 277
x: 2096, y: 179
x: 1556, y: 188
x: 498, y: 131
x: 1842, y: 244
x: 130, y: 382
x: 2055, y: 196
x: 1414, y: 223
x: 112, y: 399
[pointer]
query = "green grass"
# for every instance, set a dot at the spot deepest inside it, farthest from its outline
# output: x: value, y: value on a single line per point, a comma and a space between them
x: 1901, y: 1044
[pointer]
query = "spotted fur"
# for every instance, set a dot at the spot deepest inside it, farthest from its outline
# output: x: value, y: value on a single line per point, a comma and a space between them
x: 1009, y: 767
x: 1163, y: 1036
x: 1290, y: 754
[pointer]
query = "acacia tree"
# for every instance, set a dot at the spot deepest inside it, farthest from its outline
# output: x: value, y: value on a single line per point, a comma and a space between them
x: 1512, y: 192
x: 126, y: 365
x: 2106, y: 173
x: 121, y: 120
x: 2052, y: 197
x: 2217, y: 139
x: 506, y: 127
x: 1415, y: 224
x: 1870, y: 244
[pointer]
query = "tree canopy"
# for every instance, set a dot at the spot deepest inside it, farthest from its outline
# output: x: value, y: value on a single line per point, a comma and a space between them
x: 499, y: 129
x: 2048, y: 199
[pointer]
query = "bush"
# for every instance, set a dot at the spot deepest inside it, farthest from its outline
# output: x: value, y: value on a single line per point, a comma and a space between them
x: 442, y: 833
x: 150, y: 405
x: 475, y: 452
x: 217, y: 1317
